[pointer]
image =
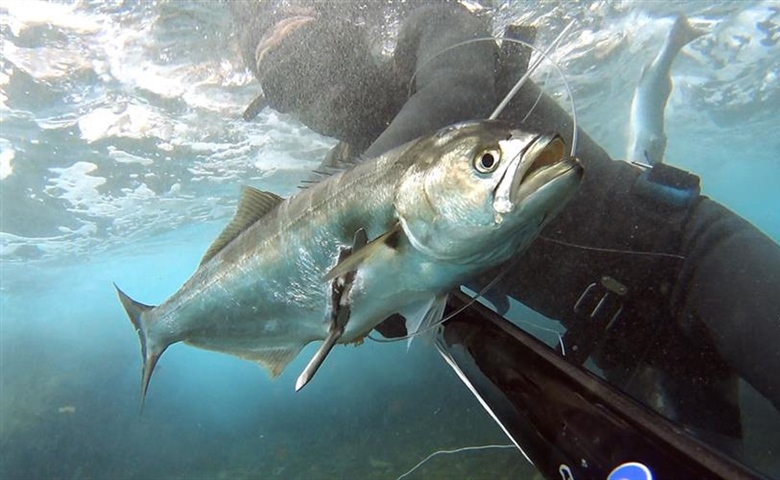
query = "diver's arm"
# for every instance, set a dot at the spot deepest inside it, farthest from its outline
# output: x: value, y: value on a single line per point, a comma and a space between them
x: 731, y: 284
x: 455, y: 86
x: 732, y: 280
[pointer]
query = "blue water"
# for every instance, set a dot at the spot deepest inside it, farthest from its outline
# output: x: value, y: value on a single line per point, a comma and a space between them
x: 70, y: 392
x: 121, y: 156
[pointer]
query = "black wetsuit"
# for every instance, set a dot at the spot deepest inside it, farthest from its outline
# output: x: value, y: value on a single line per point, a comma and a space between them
x: 681, y: 325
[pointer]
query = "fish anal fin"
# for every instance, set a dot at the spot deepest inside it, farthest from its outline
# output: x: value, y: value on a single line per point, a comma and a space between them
x: 274, y: 360
x: 253, y: 205
x: 352, y: 262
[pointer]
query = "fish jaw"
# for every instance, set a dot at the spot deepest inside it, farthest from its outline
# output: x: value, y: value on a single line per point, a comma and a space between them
x: 534, y: 169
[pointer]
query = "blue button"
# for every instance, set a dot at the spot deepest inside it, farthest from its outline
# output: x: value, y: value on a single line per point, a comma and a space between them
x: 631, y: 471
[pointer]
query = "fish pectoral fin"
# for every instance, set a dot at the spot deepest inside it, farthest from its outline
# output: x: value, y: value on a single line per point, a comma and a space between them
x: 253, y: 205
x: 359, y: 255
x: 272, y: 359
x: 423, y: 316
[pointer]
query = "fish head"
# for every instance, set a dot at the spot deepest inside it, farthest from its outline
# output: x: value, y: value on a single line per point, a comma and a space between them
x: 479, y: 192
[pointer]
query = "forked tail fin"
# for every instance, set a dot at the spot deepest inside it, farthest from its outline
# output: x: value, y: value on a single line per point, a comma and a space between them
x: 683, y: 33
x: 150, y: 349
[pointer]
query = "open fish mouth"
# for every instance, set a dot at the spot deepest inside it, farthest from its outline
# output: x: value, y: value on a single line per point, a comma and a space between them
x: 542, y: 163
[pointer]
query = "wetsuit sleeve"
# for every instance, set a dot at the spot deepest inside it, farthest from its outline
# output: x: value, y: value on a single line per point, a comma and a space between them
x: 731, y: 284
x: 446, y: 86
x: 726, y: 294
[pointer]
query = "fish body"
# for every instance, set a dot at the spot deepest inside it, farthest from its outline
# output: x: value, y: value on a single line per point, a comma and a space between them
x: 433, y: 213
x: 647, y: 140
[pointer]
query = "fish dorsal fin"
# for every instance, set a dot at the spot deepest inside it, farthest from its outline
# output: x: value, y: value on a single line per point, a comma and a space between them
x: 352, y: 263
x: 252, y: 206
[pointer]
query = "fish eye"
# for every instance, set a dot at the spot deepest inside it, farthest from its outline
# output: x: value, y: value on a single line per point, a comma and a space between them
x: 487, y: 161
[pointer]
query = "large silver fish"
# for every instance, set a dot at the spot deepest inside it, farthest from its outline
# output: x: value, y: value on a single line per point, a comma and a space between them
x: 391, y: 235
x: 647, y: 140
